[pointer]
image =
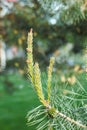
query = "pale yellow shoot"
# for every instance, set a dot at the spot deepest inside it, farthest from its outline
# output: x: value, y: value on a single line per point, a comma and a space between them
x: 38, y: 84
x: 30, y: 54
x: 50, y: 68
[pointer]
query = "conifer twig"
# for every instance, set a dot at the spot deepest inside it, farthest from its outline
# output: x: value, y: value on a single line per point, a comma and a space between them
x: 56, y: 113
x: 71, y: 120
x: 35, y: 77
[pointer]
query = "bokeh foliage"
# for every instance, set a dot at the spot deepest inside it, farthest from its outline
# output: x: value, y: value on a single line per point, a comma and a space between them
x: 48, y: 35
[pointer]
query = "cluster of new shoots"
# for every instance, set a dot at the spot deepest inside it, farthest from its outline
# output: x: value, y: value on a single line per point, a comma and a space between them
x: 49, y: 111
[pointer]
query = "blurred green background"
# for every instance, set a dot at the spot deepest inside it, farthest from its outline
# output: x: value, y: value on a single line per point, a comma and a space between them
x: 51, y: 37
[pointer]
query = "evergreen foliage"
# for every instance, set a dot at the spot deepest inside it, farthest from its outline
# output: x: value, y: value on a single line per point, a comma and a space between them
x: 66, y: 11
x: 63, y: 110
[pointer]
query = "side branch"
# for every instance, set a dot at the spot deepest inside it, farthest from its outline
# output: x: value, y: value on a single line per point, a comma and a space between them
x: 54, y: 113
x: 70, y: 120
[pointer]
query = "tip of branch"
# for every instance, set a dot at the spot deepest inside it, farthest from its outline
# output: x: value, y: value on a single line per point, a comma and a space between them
x: 27, y: 61
x: 31, y: 30
x: 28, y: 50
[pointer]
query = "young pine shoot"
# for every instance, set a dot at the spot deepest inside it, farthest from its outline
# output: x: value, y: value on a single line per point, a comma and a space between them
x: 58, y: 111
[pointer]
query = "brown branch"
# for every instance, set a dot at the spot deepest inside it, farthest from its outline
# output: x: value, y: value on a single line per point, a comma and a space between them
x: 67, y: 118
x: 71, y: 120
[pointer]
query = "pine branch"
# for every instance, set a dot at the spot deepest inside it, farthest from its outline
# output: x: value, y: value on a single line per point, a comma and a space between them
x: 47, y: 112
x: 56, y: 113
